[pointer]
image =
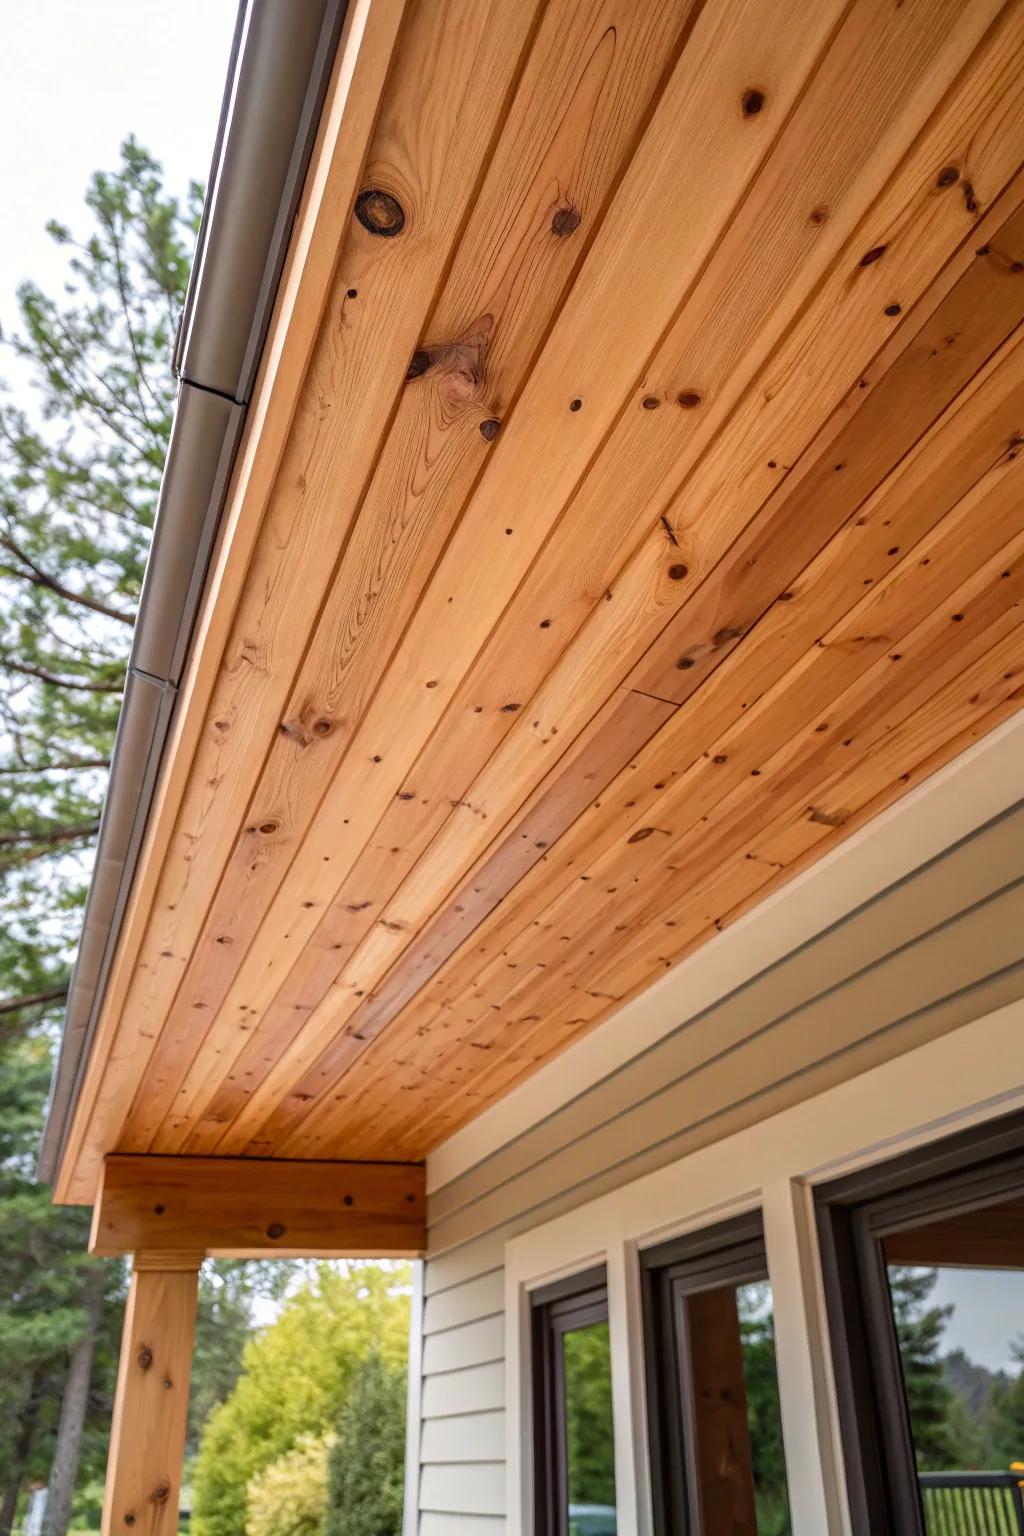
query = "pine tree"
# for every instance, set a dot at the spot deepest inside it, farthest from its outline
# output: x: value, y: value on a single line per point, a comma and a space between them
x: 930, y: 1399
x: 81, y: 457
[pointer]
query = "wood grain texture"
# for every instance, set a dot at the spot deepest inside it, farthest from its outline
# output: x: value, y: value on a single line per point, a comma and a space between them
x: 842, y: 312
x: 634, y: 524
x: 269, y: 1209
x: 147, y: 1436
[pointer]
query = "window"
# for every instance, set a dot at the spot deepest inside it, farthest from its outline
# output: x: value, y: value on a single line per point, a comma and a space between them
x: 924, y: 1268
x: 574, y: 1457
x: 713, y: 1396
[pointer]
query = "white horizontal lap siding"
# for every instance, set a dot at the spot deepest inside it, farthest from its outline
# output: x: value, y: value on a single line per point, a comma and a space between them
x: 447, y: 1524
x: 462, y: 1434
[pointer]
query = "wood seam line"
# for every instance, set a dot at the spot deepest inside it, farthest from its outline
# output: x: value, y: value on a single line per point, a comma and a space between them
x: 967, y: 240
x: 977, y: 664
x: 741, y: 197
x: 949, y: 406
x: 385, y: 436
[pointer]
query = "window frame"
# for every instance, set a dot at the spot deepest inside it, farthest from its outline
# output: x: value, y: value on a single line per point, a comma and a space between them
x: 574, y: 1302
x: 773, y: 1165
x: 732, y: 1252
x: 965, y: 1171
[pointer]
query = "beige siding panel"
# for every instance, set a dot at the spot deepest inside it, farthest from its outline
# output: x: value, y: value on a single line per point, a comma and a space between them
x: 464, y: 1488
x: 478, y: 1298
x: 472, y: 1344
x: 432, y: 1524
x: 465, y: 1437
x: 744, y: 1056
x: 962, y: 877
x: 477, y: 1390
x: 456, y: 1269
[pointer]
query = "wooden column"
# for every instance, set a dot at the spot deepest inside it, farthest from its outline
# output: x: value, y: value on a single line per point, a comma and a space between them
x: 147, y: 1436
x: 721, y: 1431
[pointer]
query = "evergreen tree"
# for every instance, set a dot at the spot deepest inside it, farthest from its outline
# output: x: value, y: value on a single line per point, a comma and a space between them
x: 58, y: 1309
x: 930, y: 1399
x: 81, y: 457
x: 366, y: 1464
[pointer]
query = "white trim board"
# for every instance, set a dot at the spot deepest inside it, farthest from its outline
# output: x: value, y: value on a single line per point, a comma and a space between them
x: 978, y: 785
x: 962, y: 1079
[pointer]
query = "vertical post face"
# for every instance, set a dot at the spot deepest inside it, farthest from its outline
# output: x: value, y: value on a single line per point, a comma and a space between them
x: 147, y: 1438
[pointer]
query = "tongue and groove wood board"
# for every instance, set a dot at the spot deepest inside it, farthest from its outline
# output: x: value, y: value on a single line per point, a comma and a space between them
x: 645, y: 516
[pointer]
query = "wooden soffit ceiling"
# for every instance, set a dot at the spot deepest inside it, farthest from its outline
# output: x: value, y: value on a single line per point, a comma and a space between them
x: 631, y: 509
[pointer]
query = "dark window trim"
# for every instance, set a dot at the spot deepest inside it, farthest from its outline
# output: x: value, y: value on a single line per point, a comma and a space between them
x: 731, y: 1253
x: 575, y: 1302
x: 954, y: 1174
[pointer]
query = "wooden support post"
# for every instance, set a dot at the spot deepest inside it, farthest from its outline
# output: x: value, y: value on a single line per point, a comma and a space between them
x: 147, y: 1436
x: 721, y: 1432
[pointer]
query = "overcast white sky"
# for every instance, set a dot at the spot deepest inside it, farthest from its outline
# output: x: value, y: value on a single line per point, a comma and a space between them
x: 77, y: 76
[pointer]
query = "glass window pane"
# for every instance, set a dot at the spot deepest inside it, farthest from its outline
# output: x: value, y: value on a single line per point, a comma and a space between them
x: 957, y: 1292
x: 739, y: 1470
x: 589, y: 1448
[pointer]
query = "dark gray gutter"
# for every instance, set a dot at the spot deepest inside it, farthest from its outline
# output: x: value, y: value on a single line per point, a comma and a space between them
x: 281, y: 60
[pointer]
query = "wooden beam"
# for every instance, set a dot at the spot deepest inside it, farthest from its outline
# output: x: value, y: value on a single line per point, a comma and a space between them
x: 147, y: 1436
x: 245, y: 1208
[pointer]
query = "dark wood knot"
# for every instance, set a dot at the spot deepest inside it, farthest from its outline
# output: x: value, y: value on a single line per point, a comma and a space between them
x: 677, y: 572
x: 144, y: 1358
x: 380, y: 212
x: 753, y: 101
x: 275, y: 1230
x: 419, y: 365
x: 948, y: 176
x: 489, y: 429
x: 566, y: 221
x: 689, y: 399
x: 875, y: 254
x: 644, y: 832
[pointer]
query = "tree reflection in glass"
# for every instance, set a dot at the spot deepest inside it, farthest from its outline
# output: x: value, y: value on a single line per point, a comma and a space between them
x: 589, y: 1448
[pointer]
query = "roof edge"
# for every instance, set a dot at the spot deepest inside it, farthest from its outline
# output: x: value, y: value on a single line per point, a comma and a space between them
x: 282, y: 52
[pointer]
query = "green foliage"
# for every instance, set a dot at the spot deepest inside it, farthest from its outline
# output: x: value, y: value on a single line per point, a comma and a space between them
x: 930, y: 1399
x: 764, y: 1413
x: 80, y: 463
x: 289, y: 1498
x: 43, y: 1271
x: 367, y: 1462
x: 588, y: 1415
x: 296, y: 1379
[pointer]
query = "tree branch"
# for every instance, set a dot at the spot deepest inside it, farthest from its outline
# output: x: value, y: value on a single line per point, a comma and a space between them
x: 71, y: 765
x: 48, y: 836
x: 32, y: 1000
x: 41, y: 673
x: 41, y: 578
